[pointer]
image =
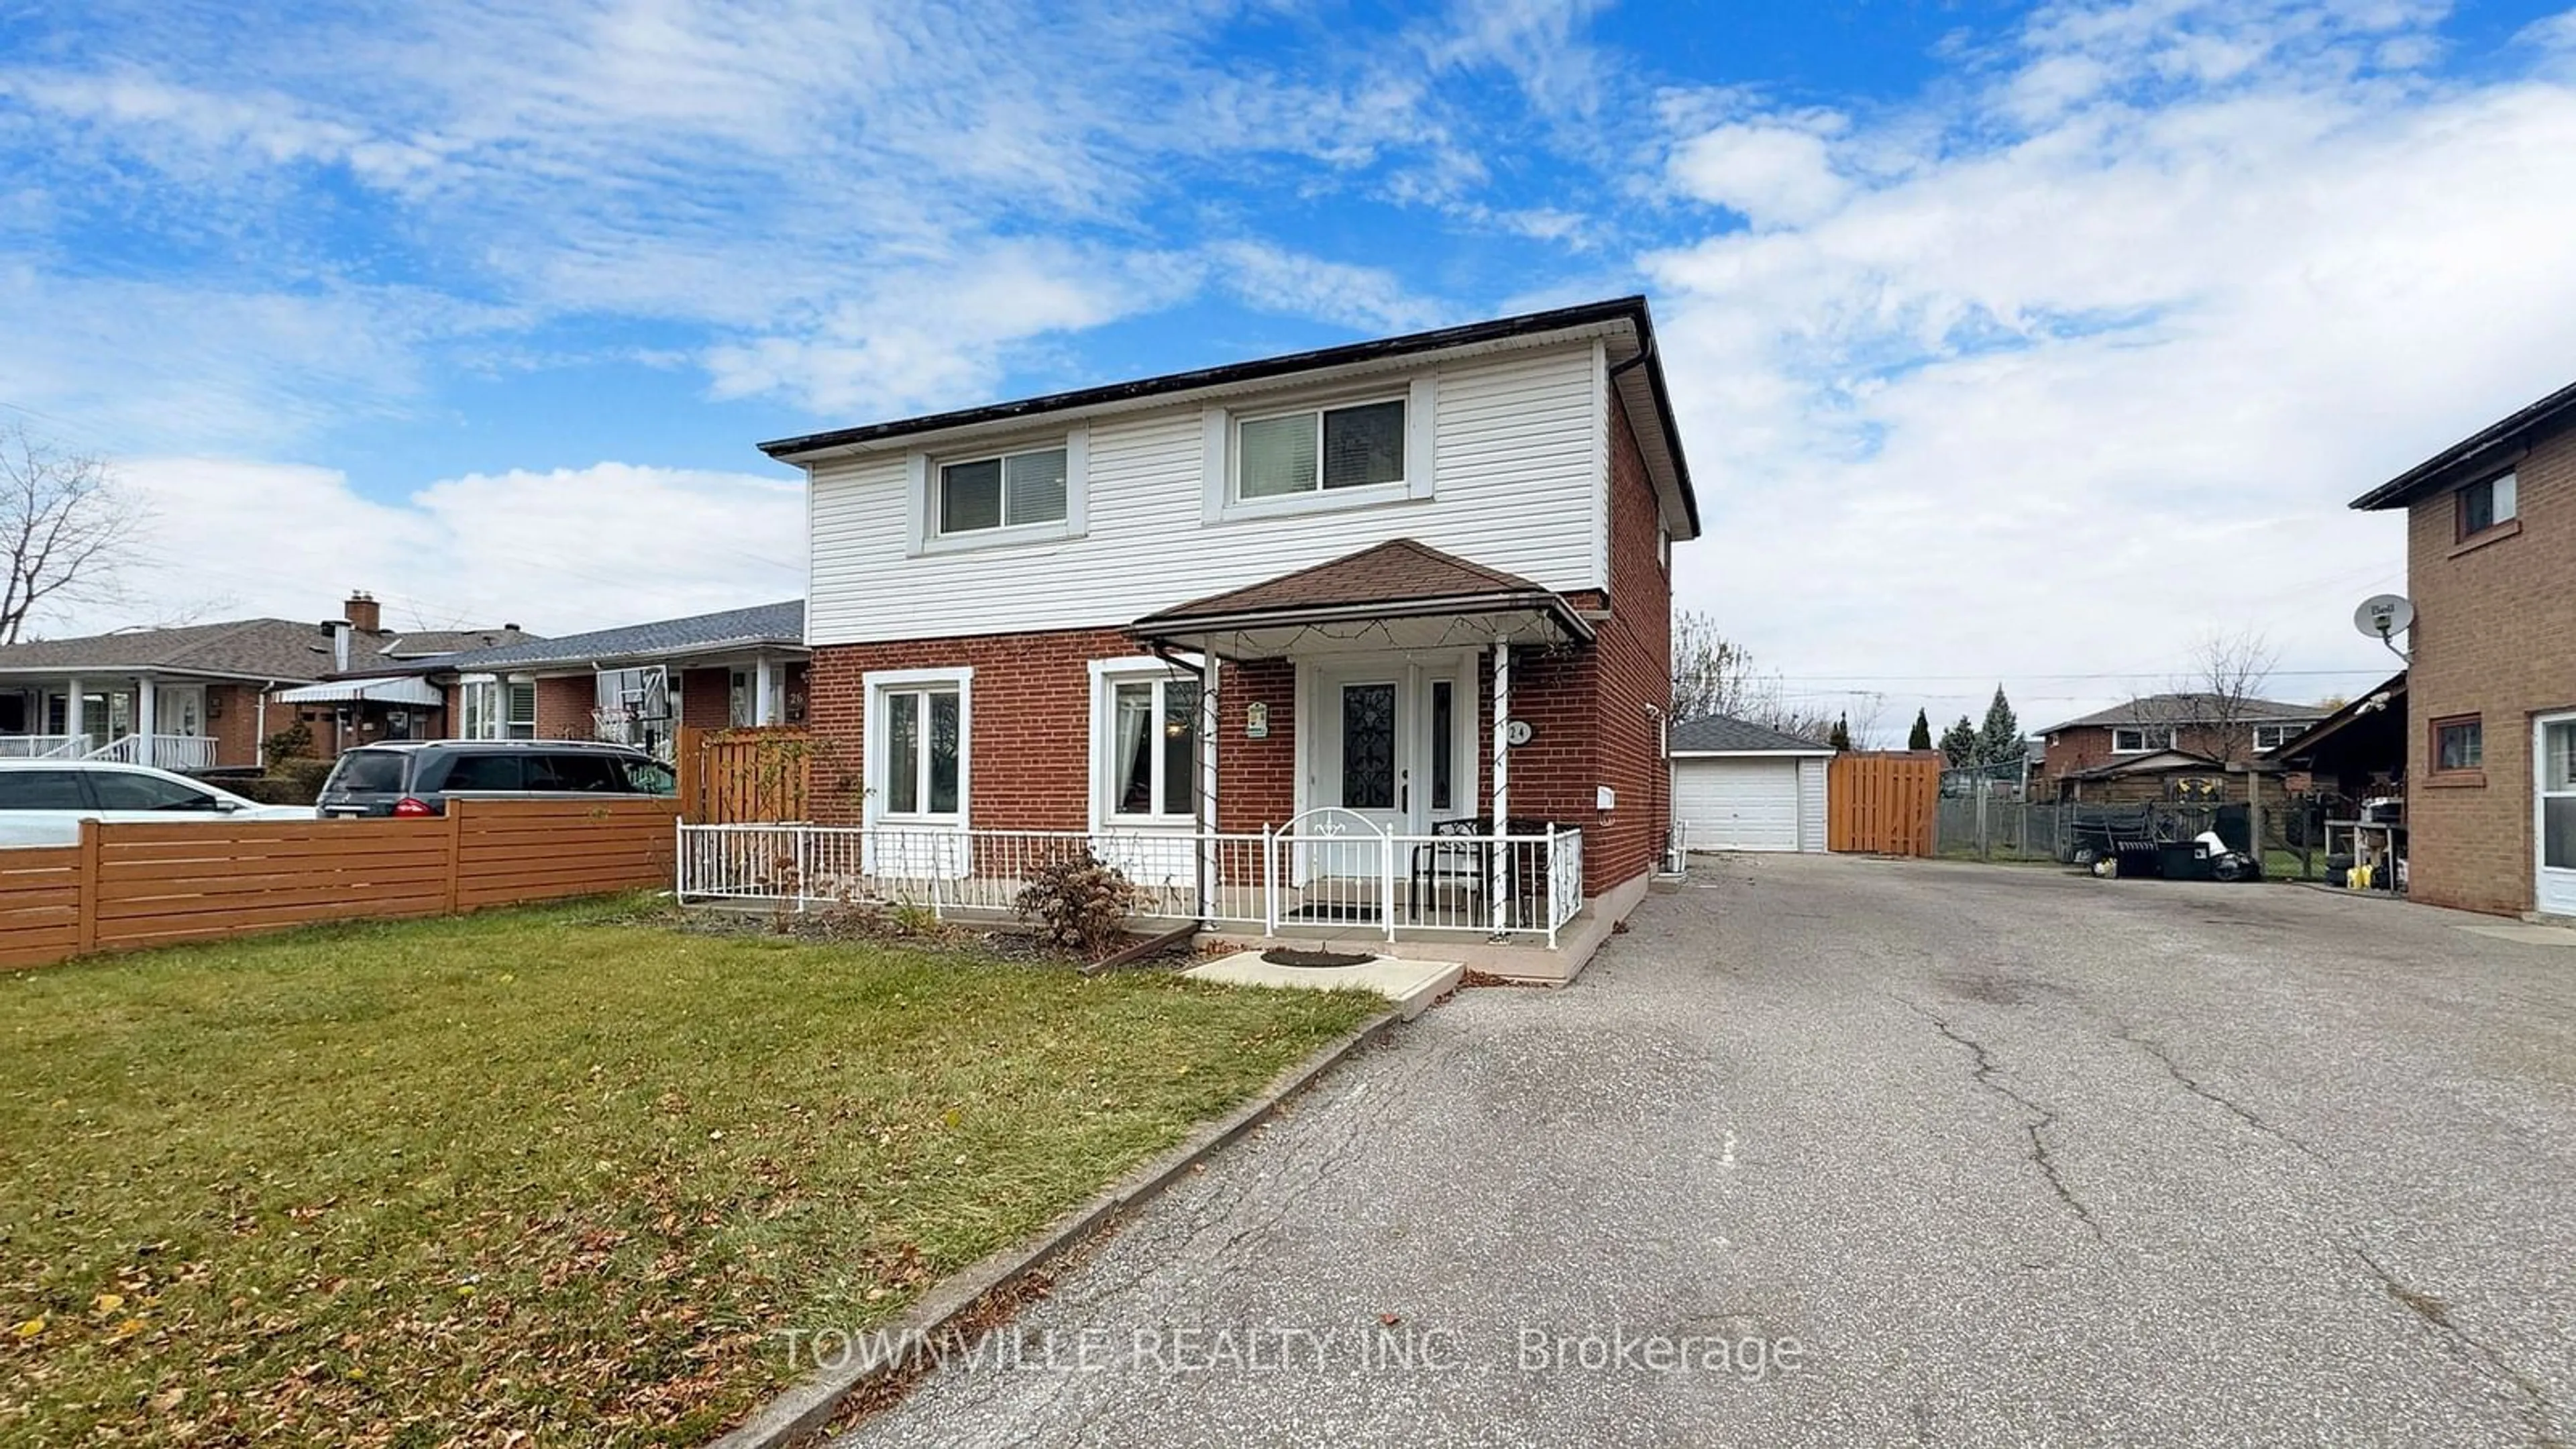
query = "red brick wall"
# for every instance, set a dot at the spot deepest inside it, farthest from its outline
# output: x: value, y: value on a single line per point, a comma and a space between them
x: 2081, y: 748
x: 1030, y: 751
x: 1634, y: 674
x: 706, y: 698
x: 564, y: 705
x: 232, y: 718
x: 1256, y: 779
x: 2495, y: 637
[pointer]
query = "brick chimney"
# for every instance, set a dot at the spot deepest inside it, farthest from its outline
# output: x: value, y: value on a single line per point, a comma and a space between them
x: 362, y: 612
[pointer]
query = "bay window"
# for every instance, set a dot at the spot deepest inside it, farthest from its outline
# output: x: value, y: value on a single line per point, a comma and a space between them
x: 491, y: 708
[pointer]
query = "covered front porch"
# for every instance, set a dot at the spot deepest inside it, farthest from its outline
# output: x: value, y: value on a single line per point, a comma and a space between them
x: 128, y: 718
x: 1389, y: 749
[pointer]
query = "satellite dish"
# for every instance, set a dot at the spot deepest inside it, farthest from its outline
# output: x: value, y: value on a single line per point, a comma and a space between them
x: 2382, y: 616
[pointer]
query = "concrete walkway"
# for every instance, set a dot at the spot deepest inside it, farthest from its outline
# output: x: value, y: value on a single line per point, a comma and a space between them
x: 1988, y: 1155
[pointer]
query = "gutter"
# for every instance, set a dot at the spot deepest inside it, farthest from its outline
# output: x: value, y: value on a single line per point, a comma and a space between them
x: 1150, y: 628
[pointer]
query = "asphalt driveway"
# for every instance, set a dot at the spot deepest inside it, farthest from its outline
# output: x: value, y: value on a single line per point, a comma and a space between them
x: 1879, y: 1153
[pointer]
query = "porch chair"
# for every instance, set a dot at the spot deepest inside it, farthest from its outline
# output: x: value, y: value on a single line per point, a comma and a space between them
x: 1456, y: 860
x: 1467, y: 861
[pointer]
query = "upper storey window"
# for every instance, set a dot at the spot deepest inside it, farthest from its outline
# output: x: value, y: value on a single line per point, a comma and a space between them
x: 1012, y: 490
x: 1360, y: 446
x: 2487, y: 503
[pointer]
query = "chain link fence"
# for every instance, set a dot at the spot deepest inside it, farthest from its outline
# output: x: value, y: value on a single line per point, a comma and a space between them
x: 1991, y: 825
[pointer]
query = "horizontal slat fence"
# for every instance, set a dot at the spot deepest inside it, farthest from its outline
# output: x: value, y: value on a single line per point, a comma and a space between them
x: 128, y: 886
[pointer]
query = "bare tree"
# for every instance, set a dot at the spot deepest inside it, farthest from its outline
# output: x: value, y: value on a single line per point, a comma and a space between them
x: 1713, y: 674
x: 66, y: 528
x: 2213, y: 707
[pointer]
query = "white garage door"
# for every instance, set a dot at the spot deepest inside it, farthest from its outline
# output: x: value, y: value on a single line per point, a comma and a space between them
x: 1737, y: 804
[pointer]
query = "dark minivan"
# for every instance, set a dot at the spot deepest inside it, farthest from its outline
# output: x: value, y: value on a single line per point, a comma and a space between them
x: 417, y: 778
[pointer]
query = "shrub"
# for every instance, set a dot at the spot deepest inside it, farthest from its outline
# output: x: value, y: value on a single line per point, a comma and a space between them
x: 288, y: 782
x: 1079, y: 900
x: 295, y: 742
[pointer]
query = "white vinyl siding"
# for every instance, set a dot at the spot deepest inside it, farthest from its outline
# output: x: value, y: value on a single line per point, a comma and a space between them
x: 1811, y: 805
x: 1516, y: 475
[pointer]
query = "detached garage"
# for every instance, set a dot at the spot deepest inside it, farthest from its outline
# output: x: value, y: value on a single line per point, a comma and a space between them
x: 1740, y: 786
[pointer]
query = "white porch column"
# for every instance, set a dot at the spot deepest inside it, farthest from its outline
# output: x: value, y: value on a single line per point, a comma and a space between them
x: 72, y: 722
x: 145, y: 721
x: 1499, y: 869
x: 762, y: 682
x: 1211, y: 858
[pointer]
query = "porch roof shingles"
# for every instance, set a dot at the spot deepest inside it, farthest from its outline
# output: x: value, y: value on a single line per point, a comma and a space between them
x: 1398, y: 571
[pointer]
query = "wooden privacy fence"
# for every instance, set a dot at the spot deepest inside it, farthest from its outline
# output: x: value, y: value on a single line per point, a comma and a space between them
x: 1882, y: 803
x: 125, y: 886
x: 745, y: 776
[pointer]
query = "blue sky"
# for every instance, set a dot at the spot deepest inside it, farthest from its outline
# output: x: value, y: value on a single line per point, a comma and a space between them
x: 1988, y: 322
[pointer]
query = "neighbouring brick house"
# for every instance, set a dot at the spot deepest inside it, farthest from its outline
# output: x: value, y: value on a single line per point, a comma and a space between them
x: 202, y: 697
x: 2491, y: 674
x: 635, y: 684
x: 2159, y: 746
x: 1226, y: 600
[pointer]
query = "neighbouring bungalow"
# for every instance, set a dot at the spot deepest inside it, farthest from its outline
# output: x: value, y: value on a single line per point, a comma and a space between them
x: 202, y: 698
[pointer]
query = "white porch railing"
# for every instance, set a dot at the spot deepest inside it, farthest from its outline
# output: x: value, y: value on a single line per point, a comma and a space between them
x: 1293, y: 881
x: 167, y: 752
x: 45, y: 747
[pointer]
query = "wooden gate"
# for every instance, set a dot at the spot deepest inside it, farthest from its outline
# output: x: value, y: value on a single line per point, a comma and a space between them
x: 733, y: 776
x: 1881, y: 803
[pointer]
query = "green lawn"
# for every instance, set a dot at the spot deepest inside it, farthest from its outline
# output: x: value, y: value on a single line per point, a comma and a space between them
x: 545, y: 1170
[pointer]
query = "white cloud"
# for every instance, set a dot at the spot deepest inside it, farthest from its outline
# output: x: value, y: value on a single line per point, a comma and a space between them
x: 791, y: 177
x: 1773, y: 174
x: 1276, y: 279
x: 149, y: 365
x: 2061, y: 395
x: 559, y: 551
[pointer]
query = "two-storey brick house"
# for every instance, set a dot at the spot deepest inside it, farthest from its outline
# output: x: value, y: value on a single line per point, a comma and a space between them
x: 1222, y: 601
x: 2491, y: 675
x: 2138, y: 749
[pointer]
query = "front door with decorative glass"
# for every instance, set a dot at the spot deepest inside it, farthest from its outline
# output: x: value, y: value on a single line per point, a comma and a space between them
x: 2554, y: 813
x: 1389, y: 739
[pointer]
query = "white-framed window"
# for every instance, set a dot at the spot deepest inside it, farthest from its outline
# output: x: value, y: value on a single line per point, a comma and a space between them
x: 1356, y: 445
x: 2139, y: 739
x: 1024, y: 491
x: 1002, y: 490
x: 1148, y: 746
x: 492, y: 708
x: 1353, y: 447
x: 918, y: 733
x: 2270, y: 737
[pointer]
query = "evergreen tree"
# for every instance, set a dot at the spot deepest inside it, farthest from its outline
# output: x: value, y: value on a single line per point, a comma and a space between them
x: 1921, y: 736
x: 1959, y: 743
x: 1999, y: 740
x: 1840, y: 739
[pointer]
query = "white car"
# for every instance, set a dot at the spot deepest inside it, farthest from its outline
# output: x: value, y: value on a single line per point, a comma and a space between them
x: 43, y: 802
